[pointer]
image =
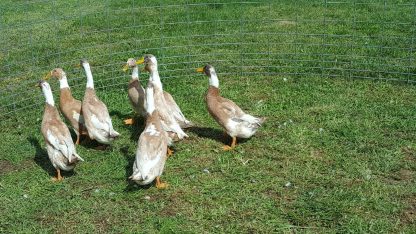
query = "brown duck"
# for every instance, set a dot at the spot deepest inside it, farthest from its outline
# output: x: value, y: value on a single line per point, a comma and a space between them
x: 96, y: 116
x: 135, y: 91
x: 227, y: 114
x: 59, y: 144
x: 137, y: 100
x: 70, y: 107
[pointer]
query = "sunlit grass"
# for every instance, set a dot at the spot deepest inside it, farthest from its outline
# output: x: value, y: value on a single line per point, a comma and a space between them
x: 335, y: 154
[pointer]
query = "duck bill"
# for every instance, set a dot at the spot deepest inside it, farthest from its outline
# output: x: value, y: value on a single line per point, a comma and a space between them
x: 140, y: 61
x: 125, y: 67
x: 47, y: 76
x: 201, y: 69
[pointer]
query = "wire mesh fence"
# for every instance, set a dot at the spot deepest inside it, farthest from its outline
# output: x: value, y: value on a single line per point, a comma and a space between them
x: 370, y: 39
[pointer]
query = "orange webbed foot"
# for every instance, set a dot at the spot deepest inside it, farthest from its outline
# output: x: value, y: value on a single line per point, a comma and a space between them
x: 227, y: 148
x: 160, y: 184
x: 233, y: 144
x: 129, y: 121
x: 170, y: 152
x: 58, y: 177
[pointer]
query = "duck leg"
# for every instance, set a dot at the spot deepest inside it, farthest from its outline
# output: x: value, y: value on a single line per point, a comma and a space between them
x: 129, y: 121
x: 170, y: 152
x: 233, y: 144
x: 160, y: 184
x: 77, y: 142
x: 58, y: 175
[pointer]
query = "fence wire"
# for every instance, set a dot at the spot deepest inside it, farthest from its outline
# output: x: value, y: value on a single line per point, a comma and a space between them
x: 370, y: 39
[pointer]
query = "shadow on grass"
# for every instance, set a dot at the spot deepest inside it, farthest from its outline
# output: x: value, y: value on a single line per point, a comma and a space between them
x: 211, y: 133
x: 215, y: 134
x: 41, y: 158
x: 120, y: 115
x: 136, y: 128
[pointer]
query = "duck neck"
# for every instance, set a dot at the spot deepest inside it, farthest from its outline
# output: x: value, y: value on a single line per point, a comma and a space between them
x: 213, y: 80
x: 135, y: 73
x: 155, y: 78
x: 47, y: 92
x: 90, y: 80
x: 63, y: 82
x: 150, y: 102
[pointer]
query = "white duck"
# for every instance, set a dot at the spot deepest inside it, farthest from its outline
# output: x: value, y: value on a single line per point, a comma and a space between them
x: 227, y: 114
x: 59, y: 144
x: 151, y: 151
x: 96, y: 116
x: 166, y: 114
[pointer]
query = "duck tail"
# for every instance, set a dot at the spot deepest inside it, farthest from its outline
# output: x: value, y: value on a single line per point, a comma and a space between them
x: 75, y: 159
x: 114, y: 133
x: 261, y: 120
x: 186, y: 124
x: 78, y: 157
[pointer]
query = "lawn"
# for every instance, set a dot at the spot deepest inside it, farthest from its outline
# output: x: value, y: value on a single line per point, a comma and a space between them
x: 334, y: 79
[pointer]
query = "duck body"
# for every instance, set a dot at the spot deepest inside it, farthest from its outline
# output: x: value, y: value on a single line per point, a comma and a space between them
x: 59, y: 144
x: 135, y: 90
x: 97, y: 119
x: 152, y: 146
x: 176, y: 111
x: 230, y: 116
x: 168, y: 122
x: 71, y: 109
x: 166, y: 111
x: 151, y: 152
x: 95, y: 112
x: 136, y: 96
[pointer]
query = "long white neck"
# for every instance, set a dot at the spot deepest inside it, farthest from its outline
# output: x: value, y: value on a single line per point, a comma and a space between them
x: 90, y: 80
x: 150, y: 102
x: 155, y: 78
x: 213, y: 80
x: 63, y: 82
x: 135, y: 72
x: 47, y: 92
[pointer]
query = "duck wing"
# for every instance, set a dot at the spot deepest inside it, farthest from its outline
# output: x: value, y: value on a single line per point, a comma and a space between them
x: 57, y: 135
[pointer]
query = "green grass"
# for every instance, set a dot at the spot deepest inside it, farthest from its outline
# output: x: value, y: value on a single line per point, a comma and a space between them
x: 336, y: 154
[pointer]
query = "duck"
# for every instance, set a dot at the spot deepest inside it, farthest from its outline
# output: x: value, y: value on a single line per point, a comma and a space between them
x: 226, y: 113
x: 135, y: 91
x: 167, y: 116
x: 69, y: 106
x: 95, y: 112
x: 137, y: 100
x: 151, y: 153
x: 59, y: 144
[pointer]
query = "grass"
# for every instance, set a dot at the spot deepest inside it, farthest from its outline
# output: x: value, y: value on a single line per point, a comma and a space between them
x: 336, y: 154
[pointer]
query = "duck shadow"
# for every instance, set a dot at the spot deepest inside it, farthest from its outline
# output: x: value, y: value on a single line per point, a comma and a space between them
x: 215, y: 134
x: 41, y: 159
x: 120, y: 115
x: 131, y: 185
x: 137, y: 127
x: 211, y: 133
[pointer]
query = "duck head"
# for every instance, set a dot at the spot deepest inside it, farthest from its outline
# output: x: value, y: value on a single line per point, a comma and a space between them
x: 149, y: 61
